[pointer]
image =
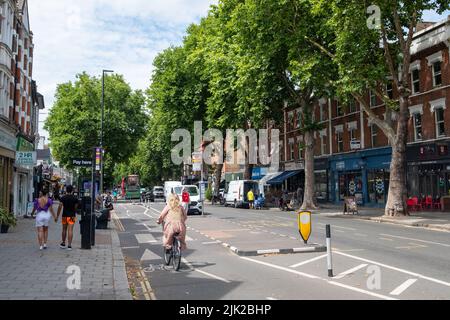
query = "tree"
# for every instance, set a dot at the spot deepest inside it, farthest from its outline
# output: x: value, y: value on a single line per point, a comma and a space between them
x: 74, y: 121
x: 366, y: 55
x: 277, y: 64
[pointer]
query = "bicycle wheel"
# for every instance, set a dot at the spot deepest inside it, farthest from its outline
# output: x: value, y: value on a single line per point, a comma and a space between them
x: 176, y: 254
x: 167, y: 256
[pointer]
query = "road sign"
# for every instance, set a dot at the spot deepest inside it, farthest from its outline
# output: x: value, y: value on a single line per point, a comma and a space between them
x: 78, y: 162
x: 304, y: 225
x: 197, y: 161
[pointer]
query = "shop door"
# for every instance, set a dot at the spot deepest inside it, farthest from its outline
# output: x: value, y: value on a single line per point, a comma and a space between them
x: 350, y: 185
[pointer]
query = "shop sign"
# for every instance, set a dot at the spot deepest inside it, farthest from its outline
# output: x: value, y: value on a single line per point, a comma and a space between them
x: 197, y: 161
x: 24, y: 145
x: 355, y: 145
x: 379, y: 186
x: 340, y: 165
x: 294, y: 166
x: 7, y: 140
x: 78, y: 162
x: 26, y: 158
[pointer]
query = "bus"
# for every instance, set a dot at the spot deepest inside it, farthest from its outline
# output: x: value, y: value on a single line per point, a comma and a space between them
x: 132, y: 187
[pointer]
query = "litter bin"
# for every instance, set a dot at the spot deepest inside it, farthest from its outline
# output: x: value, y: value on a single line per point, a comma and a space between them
x: 102, y: 219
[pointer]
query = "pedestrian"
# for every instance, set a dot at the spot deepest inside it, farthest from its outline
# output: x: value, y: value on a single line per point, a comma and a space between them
x: 42, y: 206
x: 69, y: 205
x: 185, y: 199
x: 251, y: 199
x: 300, y: 195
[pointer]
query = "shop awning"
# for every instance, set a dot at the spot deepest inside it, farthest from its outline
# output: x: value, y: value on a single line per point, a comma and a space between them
x: 268, y: 177
x: 282, y: 177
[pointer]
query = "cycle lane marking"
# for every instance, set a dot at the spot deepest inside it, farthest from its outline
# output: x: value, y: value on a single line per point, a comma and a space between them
x: 307, y: 261
x: 349, y: 271
x: 204, y: 272
x: 401, y: 288
x: 414, y: 239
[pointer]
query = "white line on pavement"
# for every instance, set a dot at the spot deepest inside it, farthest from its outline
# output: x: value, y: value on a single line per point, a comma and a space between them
x: 412, y: 246
x: 395, y: 268
x: 211, y: 242
x: 271, y: 298
x: 386, y: 239
x: 347, y: 272
x: 406, y: 238
x: 361, y: 234
x: 307, y: 261
x: 405, y: 285
x: 319, y: 278
x: 204, y: 272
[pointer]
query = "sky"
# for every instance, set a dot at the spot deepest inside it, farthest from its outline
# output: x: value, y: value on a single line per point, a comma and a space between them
x: 121, y: 35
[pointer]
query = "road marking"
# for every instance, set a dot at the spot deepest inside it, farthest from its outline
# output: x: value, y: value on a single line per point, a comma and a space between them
x: 395, y: 268
x: 204, y: 272
x: 361, y: 234
x: 319, y: 278
x: 211, y: 242
x: 386, y: 239
x: 135, y: 247
x: 345, y: 228
x: 145, y: 238
x: 352, y: 270
x: 424, y: 241
x: 149, y: 255
x: 307, y: 261
x: 405, y: 285
x: 412, y: 246
x: 271, y: 298
x: 340, y: 231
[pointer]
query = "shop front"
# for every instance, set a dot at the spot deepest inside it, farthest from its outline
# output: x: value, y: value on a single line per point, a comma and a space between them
x: 428, y: 171
x: 321, y: 179
x: 363, y: 175
x: 23, y: 175
x: 8, y: 143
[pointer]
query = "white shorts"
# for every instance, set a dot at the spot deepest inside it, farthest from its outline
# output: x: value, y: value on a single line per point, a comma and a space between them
x: 42, y: 219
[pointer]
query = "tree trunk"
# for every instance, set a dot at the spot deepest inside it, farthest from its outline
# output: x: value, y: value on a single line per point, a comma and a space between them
x: 218, y: 176
x: 308, y: 197
x: 396, y: 202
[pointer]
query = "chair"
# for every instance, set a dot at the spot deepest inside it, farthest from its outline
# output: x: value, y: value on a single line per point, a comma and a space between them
x: 417, y: 203
x: 429, y: 202
x: 411, y: 204
x: 437, y: 203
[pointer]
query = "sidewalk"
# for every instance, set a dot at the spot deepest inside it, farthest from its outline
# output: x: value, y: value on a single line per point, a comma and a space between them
x: 26, y: 273
x: 437, y: 220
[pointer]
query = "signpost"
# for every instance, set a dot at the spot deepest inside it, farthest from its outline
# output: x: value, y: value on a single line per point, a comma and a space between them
x: 304, y: 225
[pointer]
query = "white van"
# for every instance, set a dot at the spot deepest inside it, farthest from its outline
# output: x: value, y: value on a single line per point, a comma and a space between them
x: 236, y: 192
x: 168, y: 188
x: 195, y: 206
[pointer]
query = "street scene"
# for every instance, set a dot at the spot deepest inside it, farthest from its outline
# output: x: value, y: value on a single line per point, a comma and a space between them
x: 225, y: 150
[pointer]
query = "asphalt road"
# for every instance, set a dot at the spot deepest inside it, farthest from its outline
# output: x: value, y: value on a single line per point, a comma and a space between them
x: 370, y: 260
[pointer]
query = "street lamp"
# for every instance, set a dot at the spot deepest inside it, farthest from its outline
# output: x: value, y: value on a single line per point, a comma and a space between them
x: 101, y: 135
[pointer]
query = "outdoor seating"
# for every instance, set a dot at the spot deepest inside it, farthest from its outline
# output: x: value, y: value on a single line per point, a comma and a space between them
x: 429, y: 202
x: 437, y: 203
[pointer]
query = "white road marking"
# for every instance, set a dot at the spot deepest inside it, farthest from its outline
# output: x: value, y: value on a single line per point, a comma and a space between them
x: 307, y: 261
x: 204, y: 272
x: 405, y: 285
x: 271, y: 298
x: 361, y: 234
x: 386, y: 239
x: 149, y: 255
x: 424, y: 241
x: 145, y: 238
x: 319, y: 278
x: 345, y: 228
x: 211, y: 242
x: 339, y: 231
x: 395, y: 268
x: 347, y: 272
x: 412, y: 246
x: 135, y: 247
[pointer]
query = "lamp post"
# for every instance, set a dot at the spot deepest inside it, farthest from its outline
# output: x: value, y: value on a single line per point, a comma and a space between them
x: 101, y: 135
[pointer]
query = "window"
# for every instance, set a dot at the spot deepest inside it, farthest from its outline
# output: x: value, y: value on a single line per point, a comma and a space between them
x: 323, y: 144
x: 299, y: 118
x: 352, y: 106
x: 339, y: 109
x: 373, y: 98
x: 322, y: 112
x: 373, y: 135
x: 390, y: 90
x: 281, y: 151
x: 415, y: 75
x: 353, y: 134
x: 417, y: 118
x: 440, y: 124
x: 437, y: 74
x: 290, y: 124
x: 300, y: 147
x: 291, y: 149
x: 340, y: 141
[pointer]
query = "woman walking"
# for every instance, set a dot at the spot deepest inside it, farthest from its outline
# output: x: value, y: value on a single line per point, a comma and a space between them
x: 43, y: 206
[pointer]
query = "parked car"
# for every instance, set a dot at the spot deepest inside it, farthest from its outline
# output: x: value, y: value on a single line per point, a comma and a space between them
x: 236, y: 193
x: 157, y: 193
x: 195, y: 206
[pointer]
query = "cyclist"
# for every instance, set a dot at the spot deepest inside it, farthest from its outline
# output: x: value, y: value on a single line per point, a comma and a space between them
x: 174, y: 216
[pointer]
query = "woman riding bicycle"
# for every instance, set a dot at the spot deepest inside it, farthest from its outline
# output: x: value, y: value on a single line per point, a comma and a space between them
x: 174, y: 217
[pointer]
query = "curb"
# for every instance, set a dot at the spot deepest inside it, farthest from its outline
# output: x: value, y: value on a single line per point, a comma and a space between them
x: 121, y: 285
x: 387, y: 220
x: 247, y: 253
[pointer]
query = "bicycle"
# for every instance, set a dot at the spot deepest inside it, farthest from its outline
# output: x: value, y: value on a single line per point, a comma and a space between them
x: 173, y: 254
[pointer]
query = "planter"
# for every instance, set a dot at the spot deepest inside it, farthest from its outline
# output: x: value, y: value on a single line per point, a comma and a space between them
x: 4, y: 228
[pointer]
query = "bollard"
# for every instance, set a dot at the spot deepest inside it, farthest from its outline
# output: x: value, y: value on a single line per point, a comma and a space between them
x: 329, y: 260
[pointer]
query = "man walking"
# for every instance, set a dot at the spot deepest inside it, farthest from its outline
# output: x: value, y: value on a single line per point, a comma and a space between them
x: 251, y: 199
x: 69, y: 204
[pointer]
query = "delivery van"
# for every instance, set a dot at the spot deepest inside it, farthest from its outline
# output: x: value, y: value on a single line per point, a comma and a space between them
x: 236, y: 192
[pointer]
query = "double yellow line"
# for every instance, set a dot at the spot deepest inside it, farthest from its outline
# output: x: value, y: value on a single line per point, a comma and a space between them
x: 117, y: 221
x: 146, y: 288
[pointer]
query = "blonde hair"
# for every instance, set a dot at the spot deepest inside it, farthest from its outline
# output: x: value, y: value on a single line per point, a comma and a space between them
x: 174, y: 202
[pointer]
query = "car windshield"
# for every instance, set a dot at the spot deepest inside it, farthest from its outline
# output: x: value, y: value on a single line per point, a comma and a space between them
x: 193, y: 191
x: 159, y: 189
x: 177, y: 190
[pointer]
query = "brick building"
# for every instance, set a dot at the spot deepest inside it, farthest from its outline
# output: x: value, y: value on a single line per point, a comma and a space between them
x: 352, y: 155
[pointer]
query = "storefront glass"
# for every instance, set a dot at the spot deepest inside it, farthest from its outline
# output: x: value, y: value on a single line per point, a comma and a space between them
x: 321, y: 185
x: 378, y: 185
x: 350, y: 184
x: 429, y: 180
